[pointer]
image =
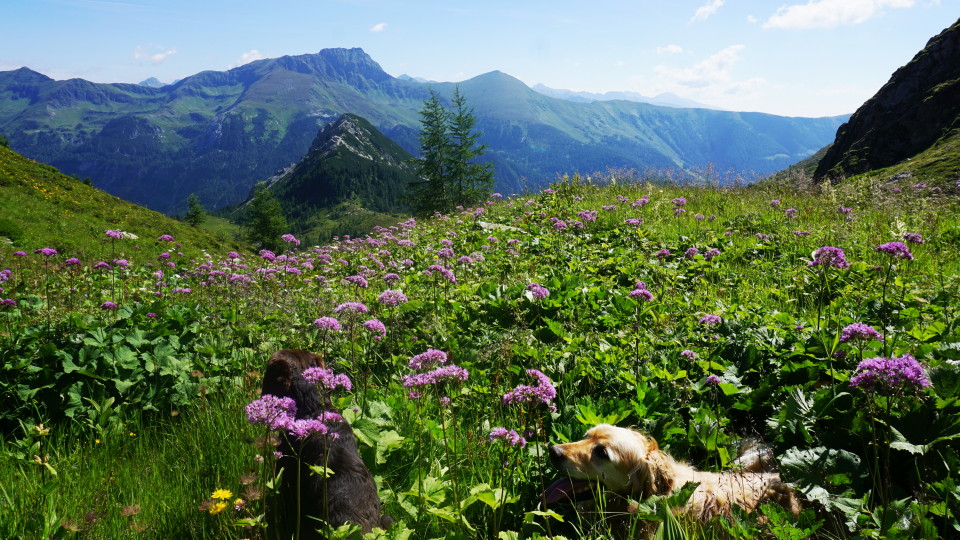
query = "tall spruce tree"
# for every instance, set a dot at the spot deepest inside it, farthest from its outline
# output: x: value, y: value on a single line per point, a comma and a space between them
x: 263, y: 220
x: 429, y: 195
x: 469, y: 181
x: 450, y: 175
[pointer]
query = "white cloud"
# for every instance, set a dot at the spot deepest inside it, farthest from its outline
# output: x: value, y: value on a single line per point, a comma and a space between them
x: 379, y: 27
x: 710, y: 81
x: 670, y: 49
x: 705, y: 11
x: 751, y: 19
x: 830, y: 13
x: 145, y: 52
x: 246, y: 58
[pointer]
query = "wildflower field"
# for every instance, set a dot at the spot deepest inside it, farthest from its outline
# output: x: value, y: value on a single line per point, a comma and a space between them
x: 822, y: 321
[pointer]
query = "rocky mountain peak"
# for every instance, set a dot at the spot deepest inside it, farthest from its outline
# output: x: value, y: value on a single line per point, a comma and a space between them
x: 919, y: 105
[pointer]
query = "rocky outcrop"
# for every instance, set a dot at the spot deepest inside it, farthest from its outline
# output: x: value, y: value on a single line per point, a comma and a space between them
x: 919, y: 105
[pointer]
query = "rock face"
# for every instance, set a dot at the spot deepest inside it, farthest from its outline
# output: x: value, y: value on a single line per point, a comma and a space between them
x: 918, y: 105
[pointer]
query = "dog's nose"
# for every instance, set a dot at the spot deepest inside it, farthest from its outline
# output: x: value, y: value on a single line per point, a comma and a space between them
x: 556, y: 455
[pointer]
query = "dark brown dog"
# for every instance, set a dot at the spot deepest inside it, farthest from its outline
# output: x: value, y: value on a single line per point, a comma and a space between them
x: 349, y: 494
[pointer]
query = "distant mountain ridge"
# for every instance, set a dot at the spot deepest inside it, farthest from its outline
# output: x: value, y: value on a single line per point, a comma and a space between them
x: 917, y: 109
x: 216, y: 133
x: 665, y: 99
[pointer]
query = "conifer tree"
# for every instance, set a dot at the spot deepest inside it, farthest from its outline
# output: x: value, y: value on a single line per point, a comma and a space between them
x: 450, y: 175
x: 263, y: 220
x: 196, y: 214
x: 469, y: 181
x: 430, y: 194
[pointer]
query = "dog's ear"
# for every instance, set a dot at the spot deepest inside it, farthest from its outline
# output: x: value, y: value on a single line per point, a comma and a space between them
x: 652, y: 474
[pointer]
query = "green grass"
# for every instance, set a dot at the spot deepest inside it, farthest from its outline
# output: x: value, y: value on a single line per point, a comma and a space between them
x: 784, y: 374
x: 40, y: 207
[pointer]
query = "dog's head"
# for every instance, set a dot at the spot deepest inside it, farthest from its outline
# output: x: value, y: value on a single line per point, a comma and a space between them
x: 624, y: 460
x: 284, y: 367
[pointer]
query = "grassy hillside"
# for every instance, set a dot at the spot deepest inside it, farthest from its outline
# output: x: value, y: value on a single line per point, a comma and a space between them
x: 701, y: 316
x: 40, y: 207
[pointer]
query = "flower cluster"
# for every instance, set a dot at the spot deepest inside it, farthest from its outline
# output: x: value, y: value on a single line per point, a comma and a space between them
x: 890, y: 374
x: 279, y: 413
x: 392, y: 298
x: 428, y: 359
x: 451, y: 372
x: 538, y: 291
x: 641, y: 293
x: 710, y: 319
x: 913, y: 238
x: 347, y: 308
x: 895, y: 249
x: 859, y: 331
x: 827, y: 256
x: 543, y: 392
x: 510, y: 437
x: 327, y: 323
x: 376, y: 327
x: 327, y: 378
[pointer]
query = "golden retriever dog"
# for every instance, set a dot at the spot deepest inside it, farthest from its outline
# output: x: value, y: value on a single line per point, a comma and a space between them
x: 630, y: 463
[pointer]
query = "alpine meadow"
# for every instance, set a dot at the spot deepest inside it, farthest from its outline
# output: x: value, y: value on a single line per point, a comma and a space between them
x: 468, y: 324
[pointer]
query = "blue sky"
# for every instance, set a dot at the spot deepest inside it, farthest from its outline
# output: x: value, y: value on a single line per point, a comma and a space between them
x: 789, y: 57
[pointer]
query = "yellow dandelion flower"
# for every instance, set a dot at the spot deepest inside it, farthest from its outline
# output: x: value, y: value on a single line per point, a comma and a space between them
x: 222, y: 494
x: 218, y: 507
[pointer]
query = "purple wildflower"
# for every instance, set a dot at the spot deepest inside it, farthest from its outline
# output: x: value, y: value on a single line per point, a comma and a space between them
x: 272, y: 411
x: 376, y: 327
x: 444, y: 373
x: 350, y: 307
x: 510, y: 437
x: 113, y: 234
x: 710, y: 319
x: 913, y: 238
x: 327, y: 323
x: 679, y: 201
x: 8, y: 302
x: 829, y: 256
x: 358, y: 280
x: 895, y: 249
x: 109, y: 306
x: 688, y: 354
x: 101, y: 265
x: 392, y: 298
x: 46, y: 252
x: 544, y: 392
x: 327, y: 378
x: 713, y: 380
x: 859, y: 331
x: 391, y: 278
x: 636, y: 222
x: 711, y: 253
x: 72, y: 261
x: 775, y: 203
x: 165, y: 238
x: 428, y: 359
x: 445, y: 253
x: 663, y: 254
x: 890, y: 374
x: 290, y: 239
x: 790, y: 212
x: 691, y: 253
x: 538, y: 291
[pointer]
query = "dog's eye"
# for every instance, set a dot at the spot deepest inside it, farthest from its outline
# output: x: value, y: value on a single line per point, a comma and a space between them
x: 600, y: 452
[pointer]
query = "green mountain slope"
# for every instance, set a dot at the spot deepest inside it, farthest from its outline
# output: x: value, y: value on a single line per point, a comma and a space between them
x: 40, y: 207
x: 217, y: 133
x: 348, y: 160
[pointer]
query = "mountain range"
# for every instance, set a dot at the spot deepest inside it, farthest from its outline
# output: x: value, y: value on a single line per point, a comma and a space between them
x: 666, y: 99
x: 216, y: 134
